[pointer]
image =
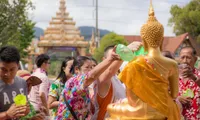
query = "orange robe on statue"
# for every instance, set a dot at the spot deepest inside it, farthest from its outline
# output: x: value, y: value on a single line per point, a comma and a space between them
x: 150, y: 87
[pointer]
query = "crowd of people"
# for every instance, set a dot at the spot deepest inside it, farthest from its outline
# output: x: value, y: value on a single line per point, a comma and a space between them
x: 83, y: 89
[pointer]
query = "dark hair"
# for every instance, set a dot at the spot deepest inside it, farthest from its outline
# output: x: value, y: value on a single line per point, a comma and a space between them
x: 167, y: 54
x: 41, y: 59
x: 9, y: 54
x: 63, y: 78
x: 94, y: 60
x: 78, y: 63
x: 108, y: 48
x: 189, y: 47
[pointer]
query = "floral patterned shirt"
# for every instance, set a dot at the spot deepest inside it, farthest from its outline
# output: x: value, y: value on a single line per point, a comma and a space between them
x: 78, y: 98
x: 55, y: 91
x: 191, y: 112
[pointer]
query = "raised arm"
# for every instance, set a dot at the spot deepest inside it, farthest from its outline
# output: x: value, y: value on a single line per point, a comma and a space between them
x: 114, y: 67
x: 100, y: 68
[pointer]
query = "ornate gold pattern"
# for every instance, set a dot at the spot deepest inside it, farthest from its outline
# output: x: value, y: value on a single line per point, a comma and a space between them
x: 152, y: 32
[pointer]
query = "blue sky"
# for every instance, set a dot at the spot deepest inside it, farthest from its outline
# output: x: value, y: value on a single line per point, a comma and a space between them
x: 124, y: 17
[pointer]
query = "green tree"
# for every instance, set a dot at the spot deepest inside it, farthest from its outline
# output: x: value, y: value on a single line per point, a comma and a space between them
x: 107, y: 40
x: 54, y: 68
x: 15, y: 27
x: 186, y: 19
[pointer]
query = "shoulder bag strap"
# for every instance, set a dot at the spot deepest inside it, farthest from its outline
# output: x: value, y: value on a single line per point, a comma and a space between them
x: 70, y: 109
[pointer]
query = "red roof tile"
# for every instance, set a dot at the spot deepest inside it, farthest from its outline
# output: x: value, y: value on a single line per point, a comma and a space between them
x: 173, y: 43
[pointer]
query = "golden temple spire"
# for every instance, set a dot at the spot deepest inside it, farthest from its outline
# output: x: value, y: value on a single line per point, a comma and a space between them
x: 62, y: 29
x: 62, y: 7
x: 151, y: 10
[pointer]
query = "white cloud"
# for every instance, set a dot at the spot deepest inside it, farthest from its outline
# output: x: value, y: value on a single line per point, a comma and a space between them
x: 121, y: 16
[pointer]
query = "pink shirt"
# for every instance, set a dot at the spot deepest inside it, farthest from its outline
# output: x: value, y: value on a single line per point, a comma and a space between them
x: 43, y: 87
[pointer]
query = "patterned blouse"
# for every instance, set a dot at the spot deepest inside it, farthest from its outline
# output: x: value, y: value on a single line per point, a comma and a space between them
x: 78, y: 98
x: 55, y: 91
x: 191, y: 112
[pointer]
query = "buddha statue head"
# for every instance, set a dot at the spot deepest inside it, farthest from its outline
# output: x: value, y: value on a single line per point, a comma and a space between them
x: 152, y: 32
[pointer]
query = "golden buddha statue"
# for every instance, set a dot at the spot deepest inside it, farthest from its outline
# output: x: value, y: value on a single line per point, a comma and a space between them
x: 151, y: 81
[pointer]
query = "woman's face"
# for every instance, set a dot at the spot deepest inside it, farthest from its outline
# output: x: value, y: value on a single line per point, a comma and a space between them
x: 86, y: 67
x: 68, y: 67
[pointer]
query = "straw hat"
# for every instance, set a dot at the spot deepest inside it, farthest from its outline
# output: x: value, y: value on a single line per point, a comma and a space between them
x: 27, y: 76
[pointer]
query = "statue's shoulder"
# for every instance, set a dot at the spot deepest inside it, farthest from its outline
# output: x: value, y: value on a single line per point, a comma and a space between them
x: 170, y: 62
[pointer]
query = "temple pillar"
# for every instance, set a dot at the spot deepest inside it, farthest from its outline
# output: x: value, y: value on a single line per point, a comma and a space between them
x: 81, y: 51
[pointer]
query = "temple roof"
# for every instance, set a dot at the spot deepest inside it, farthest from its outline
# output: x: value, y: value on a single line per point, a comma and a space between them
x: 170, y: 43
x: 62, y: 31
x: 57, y: 43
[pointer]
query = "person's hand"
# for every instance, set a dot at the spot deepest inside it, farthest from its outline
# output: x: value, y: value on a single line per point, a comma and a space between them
x: 39, y: 116
x: 113, y: 55
x: 185, y: 100
x: 27, y: 109
x: 188, y: 73
x: 44, y: 110
x: 16, y: 111
x: 134, y: 46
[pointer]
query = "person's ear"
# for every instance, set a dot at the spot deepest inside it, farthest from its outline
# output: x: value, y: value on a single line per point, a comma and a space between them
x: 77, y: 71
x: 63, y: 68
